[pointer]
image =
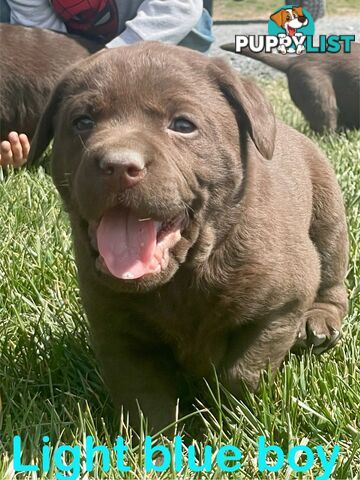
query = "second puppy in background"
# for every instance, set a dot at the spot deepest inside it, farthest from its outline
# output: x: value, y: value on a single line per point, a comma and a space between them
x: 325, y: 87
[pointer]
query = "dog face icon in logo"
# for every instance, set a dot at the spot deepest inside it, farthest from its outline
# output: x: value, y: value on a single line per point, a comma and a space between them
x: 290, y: 19
x: 292, y: 22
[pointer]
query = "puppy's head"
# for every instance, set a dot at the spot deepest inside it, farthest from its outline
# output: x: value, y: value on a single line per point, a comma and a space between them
x: 147, y: 156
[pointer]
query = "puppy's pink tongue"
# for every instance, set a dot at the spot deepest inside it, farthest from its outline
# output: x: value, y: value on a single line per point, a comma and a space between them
x: 291, y: 31
x: 126, y: 244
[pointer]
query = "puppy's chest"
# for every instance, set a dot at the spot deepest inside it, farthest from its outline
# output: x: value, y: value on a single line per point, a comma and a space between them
x: 194, y: 328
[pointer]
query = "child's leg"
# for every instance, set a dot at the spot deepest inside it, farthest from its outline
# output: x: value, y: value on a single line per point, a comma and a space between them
x: 4, y: 12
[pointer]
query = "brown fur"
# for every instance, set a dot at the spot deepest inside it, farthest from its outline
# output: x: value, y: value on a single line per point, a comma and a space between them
x: 325, y: 87
x: 31, y: 61
x: 262, y: 256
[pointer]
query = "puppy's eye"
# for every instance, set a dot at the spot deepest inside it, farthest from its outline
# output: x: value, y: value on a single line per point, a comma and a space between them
x: 83, y: 123
x: 182, y: 125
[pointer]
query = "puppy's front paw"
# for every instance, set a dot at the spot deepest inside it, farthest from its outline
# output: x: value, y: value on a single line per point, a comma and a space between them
x: 300, y: 49
x: 320, y: 329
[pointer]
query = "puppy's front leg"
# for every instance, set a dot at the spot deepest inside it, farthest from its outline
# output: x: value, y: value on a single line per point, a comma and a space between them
x: 254, y: 347
x: 138, y: 376
x: 321, y: 327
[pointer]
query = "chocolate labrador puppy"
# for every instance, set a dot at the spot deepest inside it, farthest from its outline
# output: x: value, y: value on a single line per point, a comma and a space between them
x: 325, y: 87
x: 207, y: 233
x: 31, y: 61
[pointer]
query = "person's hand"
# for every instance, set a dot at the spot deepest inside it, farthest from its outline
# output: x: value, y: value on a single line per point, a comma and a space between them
x: 15, y: 150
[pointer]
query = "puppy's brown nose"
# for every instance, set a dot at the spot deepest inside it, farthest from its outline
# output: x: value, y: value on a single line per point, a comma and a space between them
x: 302, y: 19
x: 126, y: 167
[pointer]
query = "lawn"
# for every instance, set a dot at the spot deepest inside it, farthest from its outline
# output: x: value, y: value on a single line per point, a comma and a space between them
x: 261, y: 9
x: 49, y: 382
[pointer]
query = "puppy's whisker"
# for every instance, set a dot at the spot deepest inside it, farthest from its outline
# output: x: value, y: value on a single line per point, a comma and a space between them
x: 189, y: 207
x: 83, y: 144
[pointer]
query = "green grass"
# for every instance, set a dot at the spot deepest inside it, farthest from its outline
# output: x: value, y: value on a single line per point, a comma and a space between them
x: 261, y: 9
x: 49, y: 381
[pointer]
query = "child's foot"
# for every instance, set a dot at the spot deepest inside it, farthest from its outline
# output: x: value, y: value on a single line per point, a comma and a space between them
x: 15, y: 150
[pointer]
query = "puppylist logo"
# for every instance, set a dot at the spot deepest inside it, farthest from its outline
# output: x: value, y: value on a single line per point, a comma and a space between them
x: 291, y: 29
x: 291, y: 25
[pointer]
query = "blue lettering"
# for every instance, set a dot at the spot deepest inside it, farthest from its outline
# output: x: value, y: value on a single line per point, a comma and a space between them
x: 263, y: 451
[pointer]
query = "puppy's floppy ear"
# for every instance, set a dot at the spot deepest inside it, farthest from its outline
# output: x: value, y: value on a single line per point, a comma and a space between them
x: 278, y: 18
x: 45, y: 128
x: 299, y: 11
x: 253, y: 111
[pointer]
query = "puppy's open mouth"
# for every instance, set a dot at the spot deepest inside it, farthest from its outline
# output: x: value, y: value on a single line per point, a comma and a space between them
x: 130, y: 247
x: 291, y: 31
